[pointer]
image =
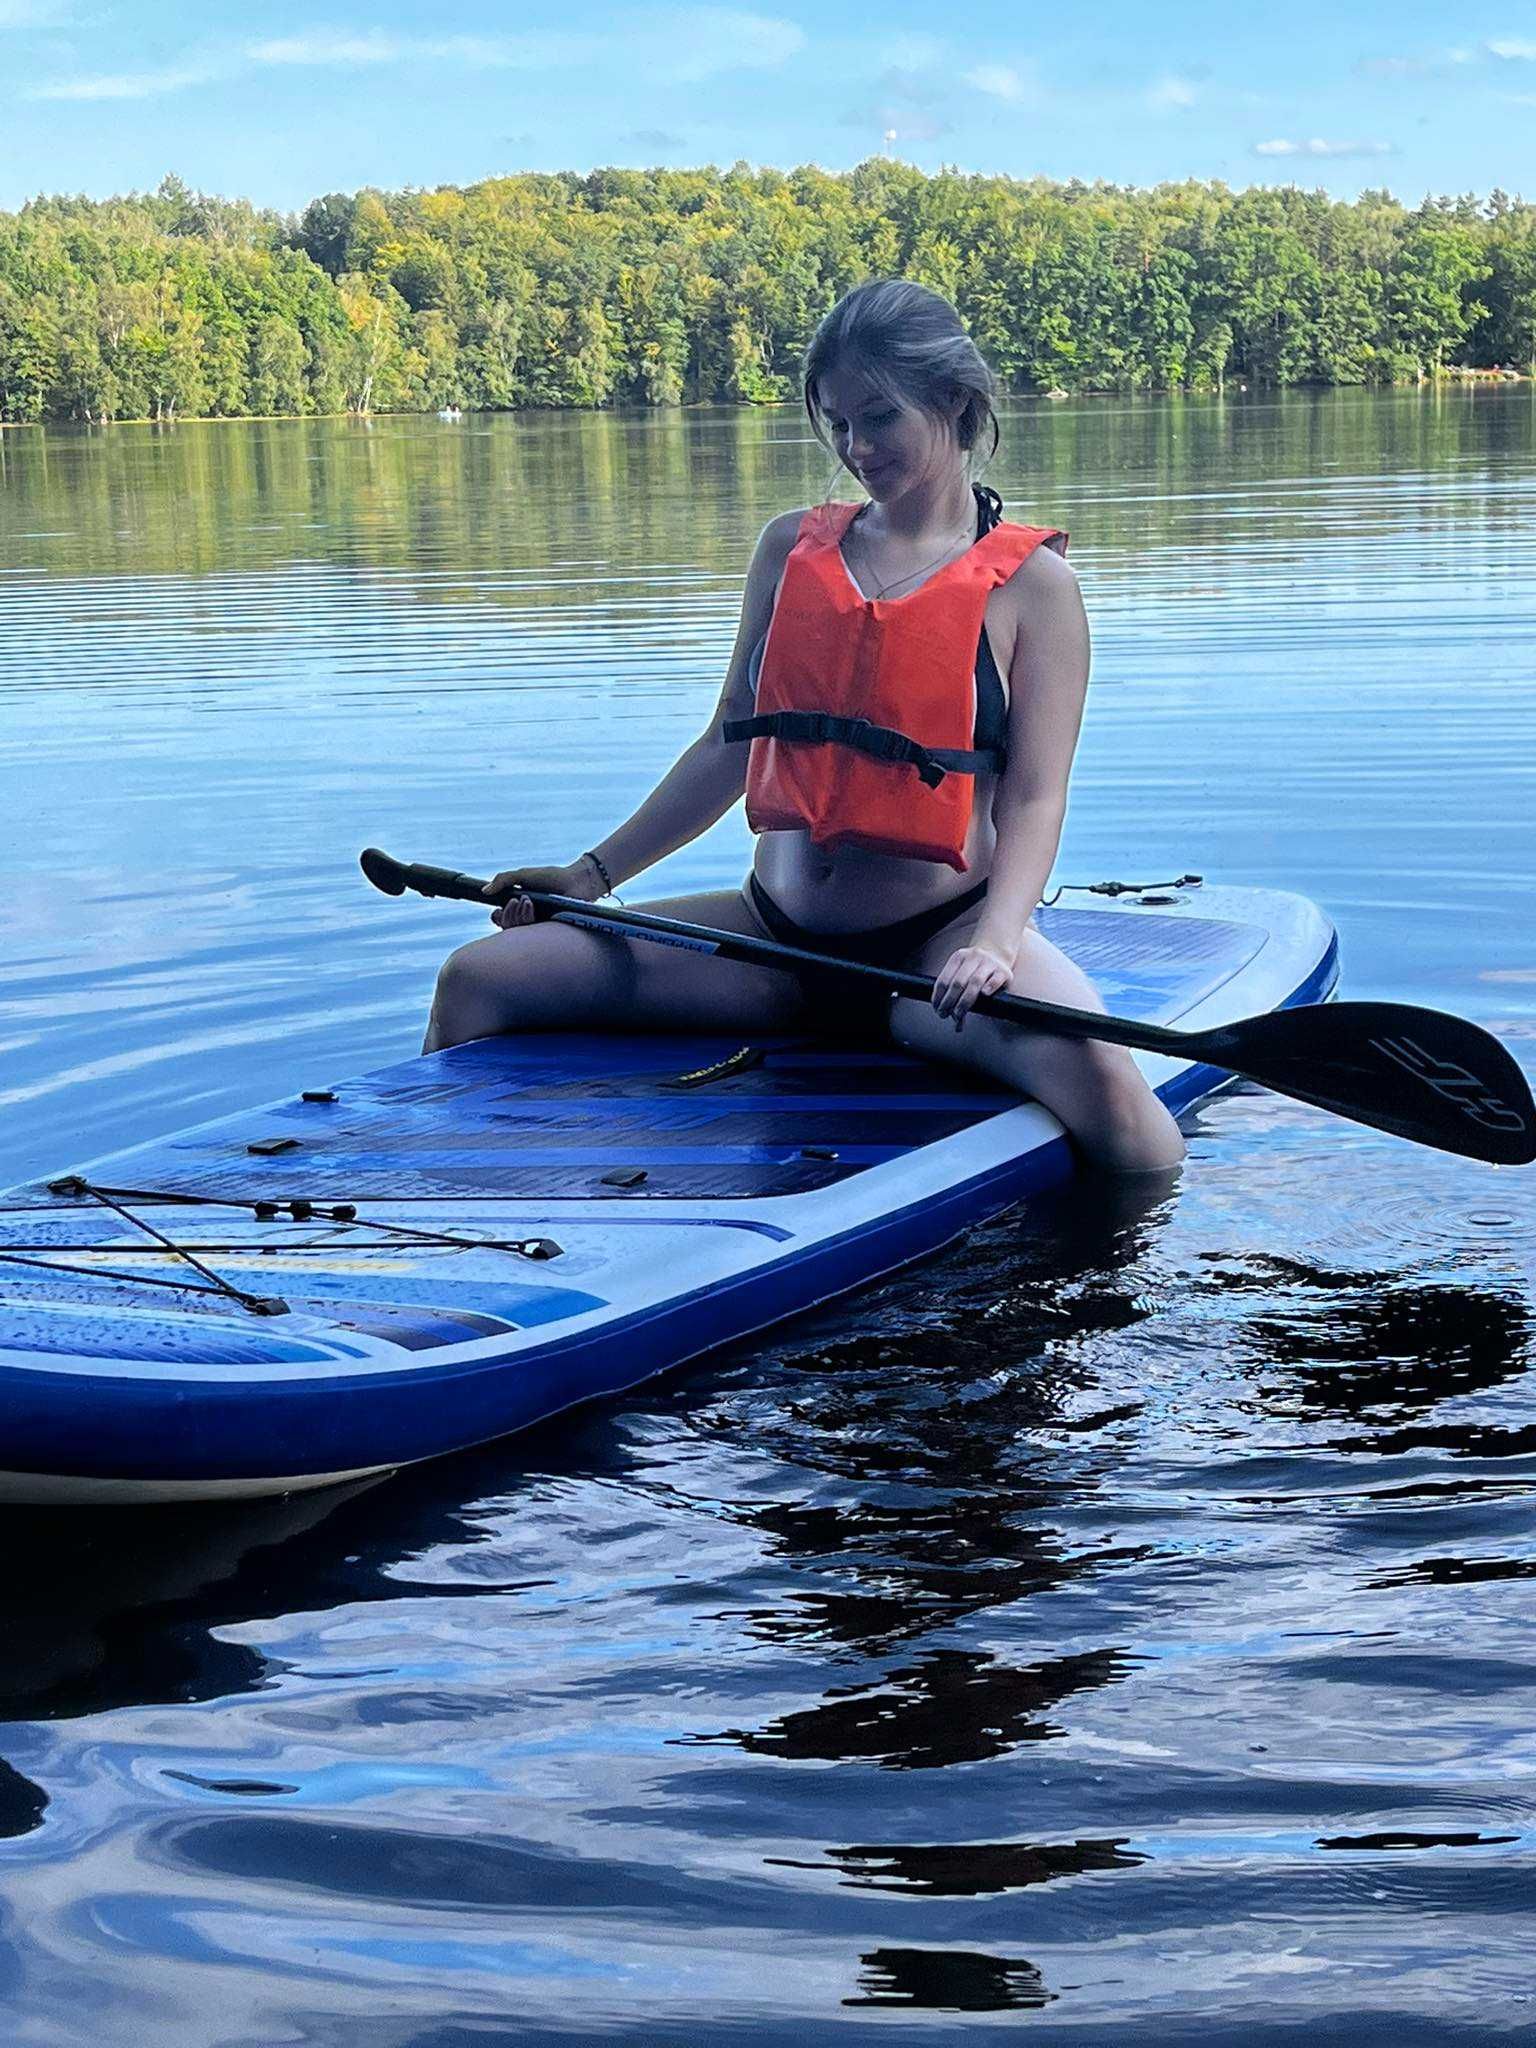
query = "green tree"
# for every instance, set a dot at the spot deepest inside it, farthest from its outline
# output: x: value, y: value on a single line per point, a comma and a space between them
x: 29, y: 356
x: 656, y: 286
x: 1431, y: 309
x: 278, y: 364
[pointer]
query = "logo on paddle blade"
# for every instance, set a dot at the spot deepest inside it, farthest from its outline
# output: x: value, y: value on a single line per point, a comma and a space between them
x: 1471, y: 1095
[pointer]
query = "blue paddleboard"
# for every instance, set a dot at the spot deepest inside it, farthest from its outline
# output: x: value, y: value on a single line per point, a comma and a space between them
x: 529, y: 1222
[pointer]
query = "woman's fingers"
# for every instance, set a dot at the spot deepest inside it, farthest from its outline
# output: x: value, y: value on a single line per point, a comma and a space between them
x: 576, y: 880
x: 498, y: 886
x: 964, y: 995
x: 967, y: 974
x: 517, y: 910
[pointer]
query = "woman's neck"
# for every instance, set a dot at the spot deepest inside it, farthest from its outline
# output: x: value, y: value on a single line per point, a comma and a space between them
x: 927, y: 512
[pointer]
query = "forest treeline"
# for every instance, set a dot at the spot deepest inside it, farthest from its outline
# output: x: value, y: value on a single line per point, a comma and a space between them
x: 663, y: 286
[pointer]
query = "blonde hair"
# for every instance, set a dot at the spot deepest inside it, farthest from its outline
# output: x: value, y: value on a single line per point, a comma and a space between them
x: 911, y: 344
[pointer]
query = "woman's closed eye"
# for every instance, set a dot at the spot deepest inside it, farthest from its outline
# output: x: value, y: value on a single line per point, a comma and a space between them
x: 883, y: 419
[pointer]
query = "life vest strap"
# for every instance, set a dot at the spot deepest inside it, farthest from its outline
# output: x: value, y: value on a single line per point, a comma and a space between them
x: 878, y: 741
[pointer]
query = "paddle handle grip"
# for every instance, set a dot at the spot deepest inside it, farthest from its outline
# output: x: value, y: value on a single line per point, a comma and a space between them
x: 425, y: 880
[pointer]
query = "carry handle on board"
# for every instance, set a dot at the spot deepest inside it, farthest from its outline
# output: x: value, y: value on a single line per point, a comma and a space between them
x: 1421, y: 1074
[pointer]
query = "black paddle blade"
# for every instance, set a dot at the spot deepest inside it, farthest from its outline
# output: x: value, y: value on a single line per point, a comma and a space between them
x: 1418, y: 1073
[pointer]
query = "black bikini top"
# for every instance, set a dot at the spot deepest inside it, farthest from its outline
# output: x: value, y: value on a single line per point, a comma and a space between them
x: 991, y: 699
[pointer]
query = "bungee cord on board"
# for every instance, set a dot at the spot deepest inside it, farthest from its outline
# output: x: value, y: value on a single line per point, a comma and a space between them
x: 300, y: 1209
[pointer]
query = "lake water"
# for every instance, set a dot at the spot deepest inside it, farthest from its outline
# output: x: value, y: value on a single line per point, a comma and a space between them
x: 1103, y: 1632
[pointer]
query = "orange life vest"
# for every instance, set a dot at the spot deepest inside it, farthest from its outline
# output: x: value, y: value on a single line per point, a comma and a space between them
x: 865, y: 720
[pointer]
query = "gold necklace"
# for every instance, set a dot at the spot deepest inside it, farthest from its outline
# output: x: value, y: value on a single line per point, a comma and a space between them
x: 911, y: 576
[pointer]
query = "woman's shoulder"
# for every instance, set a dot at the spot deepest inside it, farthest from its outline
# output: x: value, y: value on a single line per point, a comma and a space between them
x: 775, y: 545
x: 778, y: 538
x: 832, y: 516
x: 1041, y: 595
x: 782, y: 531
x: 1045, y: 567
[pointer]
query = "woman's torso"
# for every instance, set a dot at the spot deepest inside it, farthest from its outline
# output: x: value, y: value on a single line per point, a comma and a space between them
x: 848, y: 888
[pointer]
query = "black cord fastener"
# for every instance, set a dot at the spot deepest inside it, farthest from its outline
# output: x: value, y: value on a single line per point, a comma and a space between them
x: 1120, y: 888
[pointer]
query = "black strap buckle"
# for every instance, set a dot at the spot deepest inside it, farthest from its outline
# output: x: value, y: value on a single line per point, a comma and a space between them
x: 880, y: 742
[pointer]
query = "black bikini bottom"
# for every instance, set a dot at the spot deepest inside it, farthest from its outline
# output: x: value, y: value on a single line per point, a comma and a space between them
x: 886, y: 945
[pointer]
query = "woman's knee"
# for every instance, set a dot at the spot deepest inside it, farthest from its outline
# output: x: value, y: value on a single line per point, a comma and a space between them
x: 1103, y: 1098
x: 468, y: 1001
x: 1097, y: 1081
x: 543, y: 978
x: 1058, y: 1063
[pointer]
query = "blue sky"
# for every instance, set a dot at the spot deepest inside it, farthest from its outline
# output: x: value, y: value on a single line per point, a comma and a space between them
x: 282, y: 102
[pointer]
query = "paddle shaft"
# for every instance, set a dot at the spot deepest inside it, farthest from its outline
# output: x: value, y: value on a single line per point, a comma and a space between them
x: 754, y: 952
x: 1422, y: 1074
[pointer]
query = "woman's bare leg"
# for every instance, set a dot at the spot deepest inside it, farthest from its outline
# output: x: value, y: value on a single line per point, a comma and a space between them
x: 1096, y: 1090
x: 553, y: 977
x: 559, y: 977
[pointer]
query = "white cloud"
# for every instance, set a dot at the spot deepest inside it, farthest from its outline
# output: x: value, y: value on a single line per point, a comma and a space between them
x: 515, y: 53
x: 912, y: 52
x: 350, y: 48
x: 1001, y: 82
x: 1169, y: 92
x: 331, y: 46
x: 684, y: 45
x: 689, y: 44
x: 32, y: 13
x: 122, y: 85
x: 1520, y: 48
x: 1437, y: 63
x: 1394, y: 67
x: 1316, y: 146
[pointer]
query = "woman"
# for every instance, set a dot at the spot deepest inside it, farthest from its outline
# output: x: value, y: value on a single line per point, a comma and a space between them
x: 928, y: 848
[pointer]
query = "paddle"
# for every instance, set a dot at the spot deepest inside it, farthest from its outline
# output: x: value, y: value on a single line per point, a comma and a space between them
x: 1421, y: 1074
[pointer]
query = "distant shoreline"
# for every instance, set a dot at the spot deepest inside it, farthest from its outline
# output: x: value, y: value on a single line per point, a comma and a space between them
x: 567, y: 291
x: 1454, y: 374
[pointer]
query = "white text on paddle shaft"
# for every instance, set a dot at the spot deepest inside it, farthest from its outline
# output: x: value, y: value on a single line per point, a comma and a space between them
x: 1467, y: 1091
x: 608, y: 924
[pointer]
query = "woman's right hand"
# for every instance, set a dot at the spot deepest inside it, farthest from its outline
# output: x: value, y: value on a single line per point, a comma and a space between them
x: 580, y: 879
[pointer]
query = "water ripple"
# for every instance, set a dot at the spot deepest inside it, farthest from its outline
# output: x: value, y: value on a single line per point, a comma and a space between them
x: 1118, y: 1627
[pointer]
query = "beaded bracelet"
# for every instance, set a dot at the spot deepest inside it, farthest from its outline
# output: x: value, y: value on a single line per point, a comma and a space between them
x: 603, y: 875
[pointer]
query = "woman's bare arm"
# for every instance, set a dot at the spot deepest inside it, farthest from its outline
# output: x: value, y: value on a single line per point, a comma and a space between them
x: 1048, y: 684
x: 706, y: 778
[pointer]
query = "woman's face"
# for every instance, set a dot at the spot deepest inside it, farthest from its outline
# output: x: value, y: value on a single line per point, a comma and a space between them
x: 888, y: 445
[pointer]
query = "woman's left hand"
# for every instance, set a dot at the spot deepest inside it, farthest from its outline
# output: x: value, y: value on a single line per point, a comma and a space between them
x: 971, y: 972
